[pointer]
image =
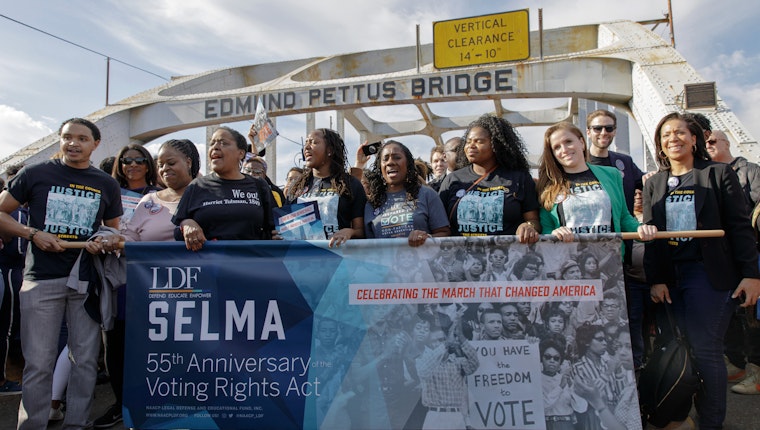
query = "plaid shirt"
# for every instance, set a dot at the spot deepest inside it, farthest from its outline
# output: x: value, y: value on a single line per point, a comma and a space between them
x: 444, y: 376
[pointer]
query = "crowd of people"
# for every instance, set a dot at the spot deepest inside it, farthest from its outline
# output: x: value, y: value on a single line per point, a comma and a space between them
x: 414, y: 358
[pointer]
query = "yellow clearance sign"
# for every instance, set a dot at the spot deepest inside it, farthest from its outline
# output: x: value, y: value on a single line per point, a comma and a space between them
x: 481, y: 39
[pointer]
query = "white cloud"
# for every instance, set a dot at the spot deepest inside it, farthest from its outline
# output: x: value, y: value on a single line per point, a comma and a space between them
x: 735, y: 76
x: 176, y: 37
x: 18, y: 130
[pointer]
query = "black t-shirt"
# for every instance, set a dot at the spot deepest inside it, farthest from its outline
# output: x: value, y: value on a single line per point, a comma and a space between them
x: 495, y: 206
x: 680, y: 214
x: 228, y: 209
x: 336, y: 211
x: 70, y: 203
x: 587, y: 208
x: 600, y: 161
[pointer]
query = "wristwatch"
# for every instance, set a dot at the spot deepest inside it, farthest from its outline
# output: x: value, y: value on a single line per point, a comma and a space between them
x: 31, y: 235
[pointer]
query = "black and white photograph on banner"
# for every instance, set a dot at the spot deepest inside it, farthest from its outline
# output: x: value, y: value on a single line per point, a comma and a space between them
x: 486, y: 332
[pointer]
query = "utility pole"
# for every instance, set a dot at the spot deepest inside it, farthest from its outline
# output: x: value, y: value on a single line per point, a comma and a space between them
x: 667, y: 20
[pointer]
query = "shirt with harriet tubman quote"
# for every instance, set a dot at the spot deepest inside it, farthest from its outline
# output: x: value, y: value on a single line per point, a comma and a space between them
x: 226, y: 209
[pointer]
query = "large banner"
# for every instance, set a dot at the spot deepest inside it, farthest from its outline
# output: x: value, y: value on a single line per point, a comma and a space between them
x: 482, y: 333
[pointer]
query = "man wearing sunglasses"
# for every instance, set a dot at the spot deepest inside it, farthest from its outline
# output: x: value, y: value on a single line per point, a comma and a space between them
x: 719, y: 148
x: 601, y: 126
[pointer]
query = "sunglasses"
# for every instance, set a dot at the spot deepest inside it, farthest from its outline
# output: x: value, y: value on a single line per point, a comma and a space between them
x: 552, y: 357
x: 129, y: 160
x: 599, y: 128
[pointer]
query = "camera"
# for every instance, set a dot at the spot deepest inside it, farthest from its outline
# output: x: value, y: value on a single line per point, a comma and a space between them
x: 371, y: 149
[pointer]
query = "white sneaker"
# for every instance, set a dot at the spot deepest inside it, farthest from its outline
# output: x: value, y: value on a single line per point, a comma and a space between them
x: 751, y: 383
x: 735, y: 374
x: 56, y: 414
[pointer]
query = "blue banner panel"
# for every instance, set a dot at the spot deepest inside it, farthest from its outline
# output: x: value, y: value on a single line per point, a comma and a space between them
x: 217, y: 339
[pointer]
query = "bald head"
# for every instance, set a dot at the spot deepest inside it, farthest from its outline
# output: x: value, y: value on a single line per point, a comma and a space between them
x: 450, y: 148
x: 718, y: 147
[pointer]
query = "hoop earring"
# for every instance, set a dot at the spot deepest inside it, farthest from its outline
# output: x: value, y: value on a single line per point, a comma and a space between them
x: 694, y: 149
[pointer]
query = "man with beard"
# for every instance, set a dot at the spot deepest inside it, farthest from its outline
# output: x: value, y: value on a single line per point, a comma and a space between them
x: 601, y: 127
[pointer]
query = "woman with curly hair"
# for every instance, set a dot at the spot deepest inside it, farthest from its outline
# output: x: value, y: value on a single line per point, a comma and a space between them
x: 560, y: 400
x: 340, y: 196
x: 398, y: 205
x: 492, y: 193
x: 528, y: 267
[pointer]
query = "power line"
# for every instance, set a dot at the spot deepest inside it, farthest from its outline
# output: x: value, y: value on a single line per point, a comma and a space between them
x: 84, y: 47
x: 108, y: 57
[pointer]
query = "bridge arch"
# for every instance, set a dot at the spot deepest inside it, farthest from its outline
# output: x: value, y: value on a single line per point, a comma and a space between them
x: 620, y: 63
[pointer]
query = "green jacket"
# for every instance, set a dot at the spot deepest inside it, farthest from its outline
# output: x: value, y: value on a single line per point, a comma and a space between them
x: 612, y: 182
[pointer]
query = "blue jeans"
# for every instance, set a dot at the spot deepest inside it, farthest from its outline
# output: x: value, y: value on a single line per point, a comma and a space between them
x: 43, y: 305
x: 703, y: 314
x: 640, y: 313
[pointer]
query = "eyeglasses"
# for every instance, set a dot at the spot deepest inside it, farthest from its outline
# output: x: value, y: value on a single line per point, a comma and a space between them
x: 713, y: 141
x: 600, y: 338
x: 447, y: 247
x: 610, y: 306
x: 599, y: 128
x: 552, y: 357
x: 129, y: 160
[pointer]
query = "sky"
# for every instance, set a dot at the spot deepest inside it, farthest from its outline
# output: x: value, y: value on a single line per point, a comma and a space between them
x: 44, y: 81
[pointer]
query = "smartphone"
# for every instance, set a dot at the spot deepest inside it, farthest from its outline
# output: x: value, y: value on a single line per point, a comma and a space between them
x: 371, y: 148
